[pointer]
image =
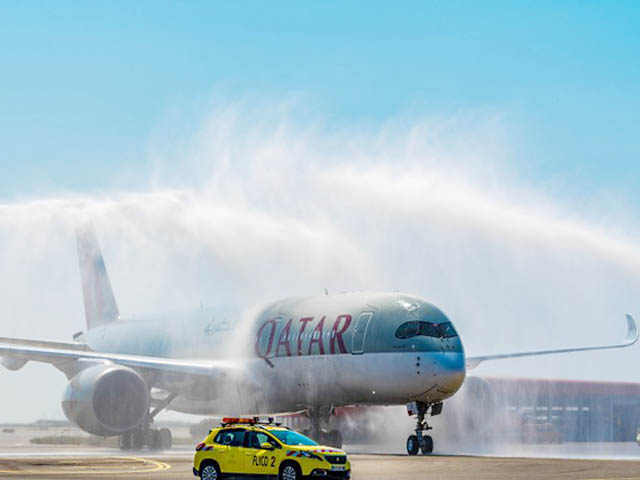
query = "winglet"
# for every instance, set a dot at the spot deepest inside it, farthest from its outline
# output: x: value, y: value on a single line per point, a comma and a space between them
x: 632, y: 330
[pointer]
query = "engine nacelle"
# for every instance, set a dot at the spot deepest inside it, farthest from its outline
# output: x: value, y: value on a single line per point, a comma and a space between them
x: 106, y: 400
x: 11, y: 363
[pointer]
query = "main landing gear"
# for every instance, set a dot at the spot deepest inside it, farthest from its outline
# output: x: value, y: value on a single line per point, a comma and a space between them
x: 419, y: 441
x: 143, y: 435
x: 319, y: 416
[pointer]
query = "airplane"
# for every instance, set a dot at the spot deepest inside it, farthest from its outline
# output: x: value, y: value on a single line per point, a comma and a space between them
x: 308, y: 355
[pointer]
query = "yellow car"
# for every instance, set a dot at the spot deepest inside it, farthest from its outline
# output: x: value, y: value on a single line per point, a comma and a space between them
x: 246, y: 447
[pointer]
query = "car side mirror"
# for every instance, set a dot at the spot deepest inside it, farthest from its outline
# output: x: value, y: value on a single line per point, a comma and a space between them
x: 267, y: 446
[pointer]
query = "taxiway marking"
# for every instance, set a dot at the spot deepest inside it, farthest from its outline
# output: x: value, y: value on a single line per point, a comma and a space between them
x: 148, y: 466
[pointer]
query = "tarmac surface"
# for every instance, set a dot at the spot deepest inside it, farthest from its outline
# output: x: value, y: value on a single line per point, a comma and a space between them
x: 383, y: 467
x: 20, y: 458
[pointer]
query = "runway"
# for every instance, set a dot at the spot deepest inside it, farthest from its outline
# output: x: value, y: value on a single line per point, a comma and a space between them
x: 382, y: 467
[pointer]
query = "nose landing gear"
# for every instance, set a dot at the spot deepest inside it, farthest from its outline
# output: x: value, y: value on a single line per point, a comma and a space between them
x: 420, y: 441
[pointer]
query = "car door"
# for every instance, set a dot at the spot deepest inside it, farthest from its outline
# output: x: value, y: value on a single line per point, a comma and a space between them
x: 260, y: 461
x: 229, y: 449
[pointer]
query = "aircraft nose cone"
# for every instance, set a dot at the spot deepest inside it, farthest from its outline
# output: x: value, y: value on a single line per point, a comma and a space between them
x: 452, y: 372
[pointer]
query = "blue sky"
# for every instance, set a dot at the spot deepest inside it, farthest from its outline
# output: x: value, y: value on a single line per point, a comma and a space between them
x: 90, y: 91
x: 84, y: 86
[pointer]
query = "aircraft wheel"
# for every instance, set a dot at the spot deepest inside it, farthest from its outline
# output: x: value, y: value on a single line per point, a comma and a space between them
x: 165, y: 439
x: 412, y: 445
x: 153, y: 440
x: 334, y: 438
x: 137, y: 439
x: 426, y: 445
x: 124, y: 441
x: 322, y: 437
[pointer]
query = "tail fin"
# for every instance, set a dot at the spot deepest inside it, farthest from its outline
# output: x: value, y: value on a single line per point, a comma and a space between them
x: 99, y: 303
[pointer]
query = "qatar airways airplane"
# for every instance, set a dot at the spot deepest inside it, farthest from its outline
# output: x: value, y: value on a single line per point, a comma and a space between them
x: 307, y: 355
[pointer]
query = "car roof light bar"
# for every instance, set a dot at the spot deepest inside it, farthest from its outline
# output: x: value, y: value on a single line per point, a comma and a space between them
x: 248, y: 421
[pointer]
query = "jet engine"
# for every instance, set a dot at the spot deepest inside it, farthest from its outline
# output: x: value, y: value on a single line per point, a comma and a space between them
x: 12, y: 363
x: 106, y: 400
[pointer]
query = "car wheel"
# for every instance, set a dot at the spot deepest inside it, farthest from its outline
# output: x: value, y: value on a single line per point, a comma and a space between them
x: 290, y: 471
x: 412, y: 445
x: 426, y: 445
x: 210, y: 471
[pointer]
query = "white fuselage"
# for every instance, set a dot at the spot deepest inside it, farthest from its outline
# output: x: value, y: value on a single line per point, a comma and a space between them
x: 299, y: 353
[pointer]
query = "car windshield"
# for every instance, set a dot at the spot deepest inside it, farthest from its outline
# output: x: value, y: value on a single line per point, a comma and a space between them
x: 289, y: 437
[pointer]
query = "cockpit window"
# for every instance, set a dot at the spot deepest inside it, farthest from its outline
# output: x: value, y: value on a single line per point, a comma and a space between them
x: 426, y: 329
x: 429, y: 329
x: 447, y: 330
x: 408, y: 330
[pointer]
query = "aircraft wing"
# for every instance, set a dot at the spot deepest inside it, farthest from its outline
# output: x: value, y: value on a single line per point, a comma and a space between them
x: 630, y: 339
x: 14, y: 353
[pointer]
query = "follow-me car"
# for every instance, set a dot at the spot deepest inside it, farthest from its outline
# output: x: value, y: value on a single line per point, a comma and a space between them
x: 249, y: 448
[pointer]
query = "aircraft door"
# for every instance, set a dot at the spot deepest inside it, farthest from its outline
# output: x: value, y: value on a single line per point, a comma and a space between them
x: 360, y: 332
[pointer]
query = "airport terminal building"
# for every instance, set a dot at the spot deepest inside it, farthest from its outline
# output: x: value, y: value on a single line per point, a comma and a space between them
x: 579, y: 411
